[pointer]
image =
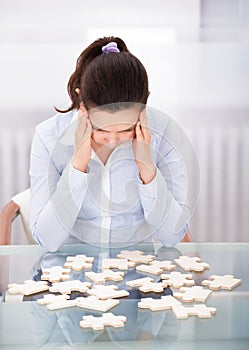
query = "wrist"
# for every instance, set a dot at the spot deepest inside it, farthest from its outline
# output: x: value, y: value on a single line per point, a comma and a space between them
x: 80, y: 167
x: 147, y: 174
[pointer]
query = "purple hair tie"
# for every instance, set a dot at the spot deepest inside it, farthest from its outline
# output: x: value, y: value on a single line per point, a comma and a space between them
x: 110, y: 47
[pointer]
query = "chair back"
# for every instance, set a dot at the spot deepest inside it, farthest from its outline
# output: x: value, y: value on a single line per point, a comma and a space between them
x: 23, y: 200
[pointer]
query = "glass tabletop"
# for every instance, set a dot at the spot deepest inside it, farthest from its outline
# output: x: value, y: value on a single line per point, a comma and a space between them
x: 25, y: 324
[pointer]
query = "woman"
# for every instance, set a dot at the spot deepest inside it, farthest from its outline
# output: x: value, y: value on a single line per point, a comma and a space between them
x: 106, y: 170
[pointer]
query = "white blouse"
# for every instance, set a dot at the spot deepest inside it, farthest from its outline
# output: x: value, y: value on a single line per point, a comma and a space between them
x: 108, y: 205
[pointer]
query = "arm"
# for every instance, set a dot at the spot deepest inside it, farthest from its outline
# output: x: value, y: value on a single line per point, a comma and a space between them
x: 56, y: 197
x: 164, y: 200
x: 163, y: 187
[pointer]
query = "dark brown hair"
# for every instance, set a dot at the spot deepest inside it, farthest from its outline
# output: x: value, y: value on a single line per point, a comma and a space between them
x: 110, y: 78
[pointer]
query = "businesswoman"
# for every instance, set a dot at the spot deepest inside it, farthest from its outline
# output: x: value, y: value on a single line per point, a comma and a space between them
x: 108, y: 170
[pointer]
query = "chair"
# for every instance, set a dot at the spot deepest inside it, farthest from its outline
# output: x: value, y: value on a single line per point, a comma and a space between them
x: 19, y: 205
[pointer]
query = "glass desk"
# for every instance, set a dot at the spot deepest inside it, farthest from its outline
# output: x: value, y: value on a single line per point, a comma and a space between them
x: 24, y: 324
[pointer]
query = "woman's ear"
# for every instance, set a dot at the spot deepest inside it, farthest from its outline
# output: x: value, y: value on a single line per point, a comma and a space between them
x: 148, y: 94
x: 82, y: 107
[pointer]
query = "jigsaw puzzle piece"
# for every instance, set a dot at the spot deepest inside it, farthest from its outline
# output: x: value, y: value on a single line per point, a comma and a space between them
x: 190, y: 294
x: 178, y: 279
x: 107, y: 292
x: 79, y: 262
x: 69, y: 286
x: 55, y: 274
x: 188, y: 263
x: 56, y: 302
x: 217, y: 282
x: 136, y: 256
x: 156, y: 267
x: 28, y: 287
x: 94, y: 303
x: 98, y: 323
x: 121, y: 264
x: 165, y: 303
x: 201, y: 311
x: 104, y: 276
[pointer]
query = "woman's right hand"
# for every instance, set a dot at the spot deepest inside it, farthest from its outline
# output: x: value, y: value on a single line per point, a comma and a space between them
x: 82, y: 150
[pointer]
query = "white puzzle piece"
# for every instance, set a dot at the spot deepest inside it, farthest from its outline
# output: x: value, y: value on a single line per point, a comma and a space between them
x: 108, y: 292
x: 165, y: 303
x: 201, y: 311
x: 106, y: 275
x: 188, y: 263
x: 55, y: 302
x: 156, y: 267
x: 94, y: 303
x: 136, y: 256
x: 178, y: 279
x: 69, y: 286
x: 98, y: 323
x: 55, y: 274
x: 147, y: 284
x: 28, y: 287
x: 217, y: 282
x: 79, y: 262
x: 121, y: 264
x: 190, y: 294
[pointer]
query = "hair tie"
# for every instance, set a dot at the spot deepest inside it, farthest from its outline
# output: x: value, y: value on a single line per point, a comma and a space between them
x: 110, y: 47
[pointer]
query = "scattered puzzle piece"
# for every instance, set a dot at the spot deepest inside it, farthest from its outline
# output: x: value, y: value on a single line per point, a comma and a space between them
x: 201, y: 311
x: 69, y: 286
x: 107, y: 292
x: 28, y: 287
x: 55, y: 302
x: 55, y: 274
x: 217, y: 282
x: 98, y: 323
x: 79, y: 262
x: 121, y: 264
x: 165, y: 303
x: 136, y: 256
x: 106, y: 275
x: 191, y: 263
x: 189, y: 294
x: 93, y: 303
x: 156, y: 267
x: 139, y: 282
x: 147, y: 284
x: 178, y: 279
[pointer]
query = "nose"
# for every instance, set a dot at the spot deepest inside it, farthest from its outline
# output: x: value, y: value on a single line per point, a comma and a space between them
x: 112, y: 137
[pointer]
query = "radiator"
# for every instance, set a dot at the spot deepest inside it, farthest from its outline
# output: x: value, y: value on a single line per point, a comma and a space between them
x: 223, y: 151
x: 222, y: 214
x: 14, y: 160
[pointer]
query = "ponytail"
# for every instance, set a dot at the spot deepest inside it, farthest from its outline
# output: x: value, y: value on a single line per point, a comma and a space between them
x: 107, y: 78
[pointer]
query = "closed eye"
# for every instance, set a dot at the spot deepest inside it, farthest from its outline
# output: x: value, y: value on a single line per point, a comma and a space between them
x: 121, y: 131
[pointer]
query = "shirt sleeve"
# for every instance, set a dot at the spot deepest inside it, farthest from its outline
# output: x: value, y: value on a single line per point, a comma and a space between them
x: 164, y: 199
x: 56, y: 197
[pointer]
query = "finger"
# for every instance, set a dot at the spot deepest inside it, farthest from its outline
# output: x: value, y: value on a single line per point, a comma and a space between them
x: 139, y: 133
x: 88, y: 126
x: 146, y: 132
x: 143, y: 118
x: 82, y: 117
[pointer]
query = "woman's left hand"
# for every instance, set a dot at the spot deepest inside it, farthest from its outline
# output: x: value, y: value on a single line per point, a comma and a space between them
x: 142, y: 151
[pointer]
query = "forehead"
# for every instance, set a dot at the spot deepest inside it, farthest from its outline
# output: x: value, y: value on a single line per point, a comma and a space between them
x: 119, y: 120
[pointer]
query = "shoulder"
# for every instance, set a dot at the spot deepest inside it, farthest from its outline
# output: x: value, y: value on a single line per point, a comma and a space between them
x: 52, y: 128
